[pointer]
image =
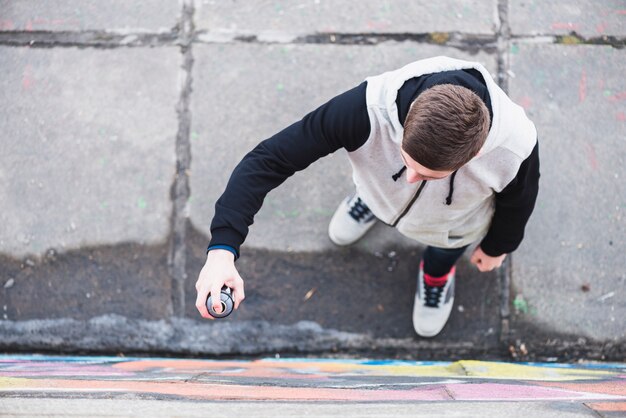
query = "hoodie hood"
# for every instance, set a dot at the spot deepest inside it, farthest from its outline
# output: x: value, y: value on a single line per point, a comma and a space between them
x: 396, y: 79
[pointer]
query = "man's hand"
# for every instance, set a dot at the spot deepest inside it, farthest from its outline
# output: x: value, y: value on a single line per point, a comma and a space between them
x: 485, y: 262
x: 219, y: 270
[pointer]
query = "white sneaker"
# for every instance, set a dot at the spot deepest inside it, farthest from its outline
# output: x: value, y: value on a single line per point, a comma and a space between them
x: 351, y: 221
x: 433, y: 302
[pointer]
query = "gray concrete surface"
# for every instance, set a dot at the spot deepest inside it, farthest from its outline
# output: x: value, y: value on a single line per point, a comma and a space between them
x: 128, y: 279
x: 278, y: 21
x: 587, y: 18
x: 113, y: 16
x: 181, y: 336
x: 580, y: 113
x: 118, y: 136
x: 89, y: 147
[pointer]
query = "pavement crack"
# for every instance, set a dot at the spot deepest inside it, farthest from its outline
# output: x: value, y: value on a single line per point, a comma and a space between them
x: 472, y: 43
x: 448, y: 392
x: 593, y: 411
x: 464, y: 370
x: 180, y: 36
x: 572, y: 38
x: 88, y: 39
x: 180, y: 191
x: 503, y: 36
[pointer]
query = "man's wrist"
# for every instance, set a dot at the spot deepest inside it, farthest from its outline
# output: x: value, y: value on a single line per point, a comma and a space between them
x: 219, y: 248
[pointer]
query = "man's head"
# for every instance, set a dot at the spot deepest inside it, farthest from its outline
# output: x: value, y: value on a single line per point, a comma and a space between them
x: 445, y: 128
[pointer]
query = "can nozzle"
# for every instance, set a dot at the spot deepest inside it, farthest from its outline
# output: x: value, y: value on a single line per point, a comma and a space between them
x: 227, y: 304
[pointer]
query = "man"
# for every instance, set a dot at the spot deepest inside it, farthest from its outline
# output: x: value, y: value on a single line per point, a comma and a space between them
x: 468, y: 155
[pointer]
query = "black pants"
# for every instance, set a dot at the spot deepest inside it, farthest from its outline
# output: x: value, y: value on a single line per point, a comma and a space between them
x: 439, y: 261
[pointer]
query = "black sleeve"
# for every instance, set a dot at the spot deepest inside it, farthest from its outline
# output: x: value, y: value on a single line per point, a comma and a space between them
x: 340, y: 123
x: 514, y: 205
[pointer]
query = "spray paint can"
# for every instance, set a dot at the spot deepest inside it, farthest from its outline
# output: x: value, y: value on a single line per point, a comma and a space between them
x: 227, y: 304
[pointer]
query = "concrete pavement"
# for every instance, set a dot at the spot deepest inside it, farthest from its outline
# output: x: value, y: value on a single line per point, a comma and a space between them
x: 123, y: 121
x: 114, y: 386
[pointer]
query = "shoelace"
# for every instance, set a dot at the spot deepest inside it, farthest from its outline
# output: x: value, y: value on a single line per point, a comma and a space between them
x: 360, y: 212
x: 432, y: 295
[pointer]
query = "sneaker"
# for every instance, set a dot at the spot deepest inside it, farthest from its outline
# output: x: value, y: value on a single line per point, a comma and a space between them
x: 351, y: 221
x: 433, y: 302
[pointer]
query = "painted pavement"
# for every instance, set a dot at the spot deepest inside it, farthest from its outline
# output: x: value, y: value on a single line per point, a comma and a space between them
x: 601, y: 386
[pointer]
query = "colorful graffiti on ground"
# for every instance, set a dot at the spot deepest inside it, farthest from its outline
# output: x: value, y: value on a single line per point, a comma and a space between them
x: 600, y: 386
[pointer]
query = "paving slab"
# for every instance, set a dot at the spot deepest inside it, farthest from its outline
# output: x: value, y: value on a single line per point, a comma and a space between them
x: 245, y: 93
x: 270, y: 19
x: 111, y: 16
x: 89, y: 147
x: 588, y: 18
x: 570, y: 272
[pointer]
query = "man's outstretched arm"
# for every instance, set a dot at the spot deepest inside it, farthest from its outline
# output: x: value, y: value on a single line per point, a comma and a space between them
x: 342, y: 122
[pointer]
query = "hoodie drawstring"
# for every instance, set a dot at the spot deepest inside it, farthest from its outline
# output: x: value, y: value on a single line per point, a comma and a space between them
x: 449, y: 198
x: 396, y: 176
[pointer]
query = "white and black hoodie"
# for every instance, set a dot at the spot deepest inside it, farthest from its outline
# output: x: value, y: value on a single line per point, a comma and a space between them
x: 489, y: 198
